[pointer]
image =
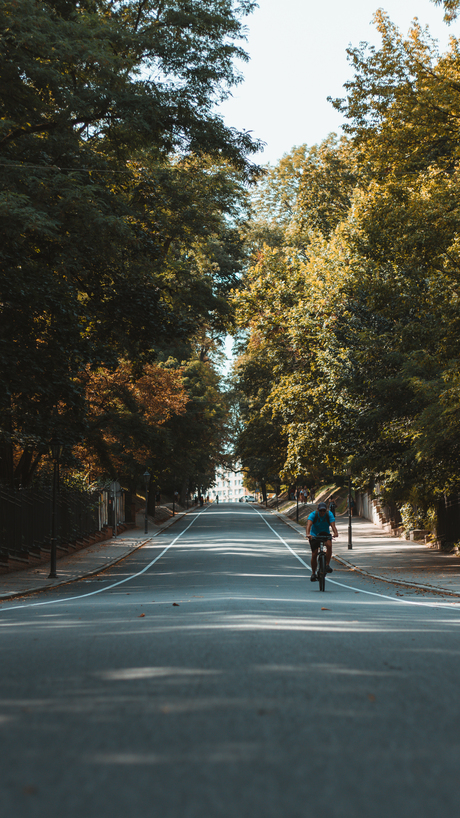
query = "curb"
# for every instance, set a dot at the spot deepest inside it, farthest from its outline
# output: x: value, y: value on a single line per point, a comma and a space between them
x: 38, y: 588
x: 405, y: 583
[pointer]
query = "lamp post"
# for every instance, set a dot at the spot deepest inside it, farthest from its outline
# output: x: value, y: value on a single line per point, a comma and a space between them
x: 55, y: 450
x: 174, y: 496
x: 350, y: 542
x: 146, y: 484
x: 115, y: 501
x: 297, y: 506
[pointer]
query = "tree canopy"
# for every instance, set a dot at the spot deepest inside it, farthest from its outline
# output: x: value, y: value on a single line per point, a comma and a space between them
x: 121, y: 196
x: 351, y: 297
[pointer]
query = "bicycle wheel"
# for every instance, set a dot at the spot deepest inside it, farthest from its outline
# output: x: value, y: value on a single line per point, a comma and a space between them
x: 321, y: 573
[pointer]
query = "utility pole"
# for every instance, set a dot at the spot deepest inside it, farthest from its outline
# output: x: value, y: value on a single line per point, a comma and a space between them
x: 350, y: 542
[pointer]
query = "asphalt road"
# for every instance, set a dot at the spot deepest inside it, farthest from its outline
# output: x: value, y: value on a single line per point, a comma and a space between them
x: 215, y: 680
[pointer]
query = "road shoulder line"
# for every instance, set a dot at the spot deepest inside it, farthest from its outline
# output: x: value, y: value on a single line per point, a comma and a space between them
x: 405, y: 583
x: 95, y: 571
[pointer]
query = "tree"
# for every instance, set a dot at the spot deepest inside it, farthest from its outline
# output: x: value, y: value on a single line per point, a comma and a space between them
x: 107, y: 132
x: 355, y: 304
x: 259, y: 443
x: 451, y: 9
x: 197, y: 437
x: 126, y: 419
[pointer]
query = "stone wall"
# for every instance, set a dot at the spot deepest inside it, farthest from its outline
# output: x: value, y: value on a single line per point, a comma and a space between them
x: 385, y: 517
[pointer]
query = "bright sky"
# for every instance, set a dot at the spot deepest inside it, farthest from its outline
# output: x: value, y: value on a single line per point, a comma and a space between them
x: 298, y: 59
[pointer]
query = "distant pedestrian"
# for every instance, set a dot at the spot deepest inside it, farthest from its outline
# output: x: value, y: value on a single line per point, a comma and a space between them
x: 332, y: 506
x: 351, y: 505
x: 201, y: 500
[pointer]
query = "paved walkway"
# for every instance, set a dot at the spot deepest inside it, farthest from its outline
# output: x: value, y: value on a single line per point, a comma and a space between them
x: 83, y: 563
x: 393, y: 559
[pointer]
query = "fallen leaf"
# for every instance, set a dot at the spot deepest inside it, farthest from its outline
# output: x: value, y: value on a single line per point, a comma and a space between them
x: 371, y: 697
x: 325, y: 609
x: 176, y: 604
x: 140, y: 615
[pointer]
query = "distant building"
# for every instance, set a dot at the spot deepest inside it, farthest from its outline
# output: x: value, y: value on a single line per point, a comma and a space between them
x: 228, y: 485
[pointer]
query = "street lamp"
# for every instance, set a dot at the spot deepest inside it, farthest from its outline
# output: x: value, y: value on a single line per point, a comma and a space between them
x: 350, y: 542
x: 55, y: 450
x: 115, y: 493
x: 146, y: 484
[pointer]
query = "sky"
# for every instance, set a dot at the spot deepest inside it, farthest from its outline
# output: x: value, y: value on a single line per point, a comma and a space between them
x: 297, y: 52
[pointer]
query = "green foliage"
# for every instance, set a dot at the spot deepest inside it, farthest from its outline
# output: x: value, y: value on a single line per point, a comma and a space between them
x: 352, y: 294
x: 196, y: 438
x: 121, y: 197
x: 412, y: 517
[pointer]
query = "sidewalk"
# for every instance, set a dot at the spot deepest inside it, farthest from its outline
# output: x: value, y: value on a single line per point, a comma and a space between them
x: 392, y: 559
x: 84, y: 563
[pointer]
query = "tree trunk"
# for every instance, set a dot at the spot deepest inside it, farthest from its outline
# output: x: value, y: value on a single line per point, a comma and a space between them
x: 151, y: 497
x: 263, y: 486
x: 6, y: 456
x: 184, y: 492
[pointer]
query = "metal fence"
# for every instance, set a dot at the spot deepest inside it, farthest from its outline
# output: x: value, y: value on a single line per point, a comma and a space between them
x: 448, y: 520
x: 25, y: 518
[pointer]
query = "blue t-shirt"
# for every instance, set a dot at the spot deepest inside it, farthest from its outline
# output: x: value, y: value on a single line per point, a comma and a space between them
x: 321, y: 526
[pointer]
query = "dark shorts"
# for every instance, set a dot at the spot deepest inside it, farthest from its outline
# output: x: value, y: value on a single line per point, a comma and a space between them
x: 315, y: 543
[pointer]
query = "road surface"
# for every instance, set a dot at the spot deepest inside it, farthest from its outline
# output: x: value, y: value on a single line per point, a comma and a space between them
x: 205, y: 675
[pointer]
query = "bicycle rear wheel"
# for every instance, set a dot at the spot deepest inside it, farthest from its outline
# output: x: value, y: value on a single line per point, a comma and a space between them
x: 321, y: 572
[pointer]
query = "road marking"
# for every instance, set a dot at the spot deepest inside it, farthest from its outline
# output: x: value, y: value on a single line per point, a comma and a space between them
x: 351, y: 587
x: 107, y: 587
x: 139, y: 573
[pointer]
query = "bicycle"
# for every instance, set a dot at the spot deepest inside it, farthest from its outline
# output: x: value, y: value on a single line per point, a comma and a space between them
x: 321, y: 565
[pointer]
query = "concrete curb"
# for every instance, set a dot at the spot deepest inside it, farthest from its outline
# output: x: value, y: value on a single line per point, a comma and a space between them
x: 405, y: 583
x: 100, y: 569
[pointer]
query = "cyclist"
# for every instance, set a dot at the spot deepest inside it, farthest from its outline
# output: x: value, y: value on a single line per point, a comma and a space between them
x: 319, y: 522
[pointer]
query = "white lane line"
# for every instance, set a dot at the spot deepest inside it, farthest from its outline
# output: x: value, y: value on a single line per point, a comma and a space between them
x: 351, y: 587
x: 107, y: 587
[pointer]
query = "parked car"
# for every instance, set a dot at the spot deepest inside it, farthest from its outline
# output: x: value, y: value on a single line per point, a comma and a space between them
x: 250, y: 498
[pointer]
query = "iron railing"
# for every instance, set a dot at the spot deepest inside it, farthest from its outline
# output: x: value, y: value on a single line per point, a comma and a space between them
x: 25, y: 518
x: 448, y: 520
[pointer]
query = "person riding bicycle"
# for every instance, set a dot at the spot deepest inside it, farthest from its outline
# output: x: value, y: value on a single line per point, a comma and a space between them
x: 319, y: 522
